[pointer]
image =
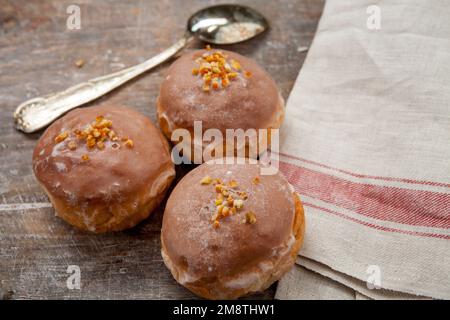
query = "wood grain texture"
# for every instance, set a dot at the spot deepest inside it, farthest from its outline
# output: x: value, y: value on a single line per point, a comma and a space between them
x: 38, y: 56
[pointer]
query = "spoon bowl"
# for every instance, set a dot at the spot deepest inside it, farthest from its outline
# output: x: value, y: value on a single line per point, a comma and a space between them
x: 227, y: 24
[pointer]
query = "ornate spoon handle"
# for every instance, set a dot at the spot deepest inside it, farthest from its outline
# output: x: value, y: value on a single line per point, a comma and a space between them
x: 37, y: 113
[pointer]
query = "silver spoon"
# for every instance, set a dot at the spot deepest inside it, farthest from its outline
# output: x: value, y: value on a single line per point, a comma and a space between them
x: 222, y: 24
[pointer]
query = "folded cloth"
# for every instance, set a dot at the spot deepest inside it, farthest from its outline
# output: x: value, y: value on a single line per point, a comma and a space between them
x: 326, y: 283
x: 301, y: 283
x: 366, y: 144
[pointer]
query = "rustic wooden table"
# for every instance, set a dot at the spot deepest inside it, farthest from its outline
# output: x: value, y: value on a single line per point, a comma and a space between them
x: 38, y: 55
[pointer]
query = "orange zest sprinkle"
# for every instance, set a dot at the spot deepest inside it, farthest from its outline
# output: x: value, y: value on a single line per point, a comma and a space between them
x: 225, y: 211
x: 236, y: 65
x: 61, y: 137
x: 80, y: 63
x: 129, y: 143
x: 238, y: 204
x: 232, y: 75
x: 256, y: 180
x: 225, y: 82
x: 243, y: 195
x: 94, y: 135
x: 229, y: 200
x: 250, y: 217
x: 85, y: 157
x: 72, y: 145
x: 100, y: 145
x: 215, y: 70
x: 225, y: 192
x: 215, y: 85
x: 233, y: 184
x: 206, y: 180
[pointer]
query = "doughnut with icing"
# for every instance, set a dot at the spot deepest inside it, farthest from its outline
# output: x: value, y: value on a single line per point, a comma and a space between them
x: 221, y: 253
x: 104, y: 168
x: 228, y: 92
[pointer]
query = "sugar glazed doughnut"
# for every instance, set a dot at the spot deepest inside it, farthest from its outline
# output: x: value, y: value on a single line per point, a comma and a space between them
x: 223, y: 90
x: 104, y: 168
x: 229, y: 232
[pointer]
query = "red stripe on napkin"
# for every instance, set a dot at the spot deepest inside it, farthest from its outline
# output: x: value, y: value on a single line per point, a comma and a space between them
x: 406, y: 206
x: 358, y: 175
x: 374, y: 226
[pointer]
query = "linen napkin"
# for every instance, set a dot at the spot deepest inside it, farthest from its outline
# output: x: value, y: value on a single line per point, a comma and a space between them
x: 366, y: 144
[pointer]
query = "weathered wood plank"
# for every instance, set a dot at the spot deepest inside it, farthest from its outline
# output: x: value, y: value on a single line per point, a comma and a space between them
x: 37, y: 56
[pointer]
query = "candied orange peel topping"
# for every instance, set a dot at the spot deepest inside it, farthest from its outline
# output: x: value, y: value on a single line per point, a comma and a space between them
x: 72, y: 145
x: 93, y: 136
x: 229, y: 200
x: 216, y: 71
x: 233, y: 184
x: 129, y: 143
x: 250, y: 217
x: 61, y: 137
x: 256, y: 180
x: 206, y: 180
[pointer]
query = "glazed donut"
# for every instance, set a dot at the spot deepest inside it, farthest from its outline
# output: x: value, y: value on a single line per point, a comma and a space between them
x: 223, y: 90
x: 228, y: 231
x: 104, y: 168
